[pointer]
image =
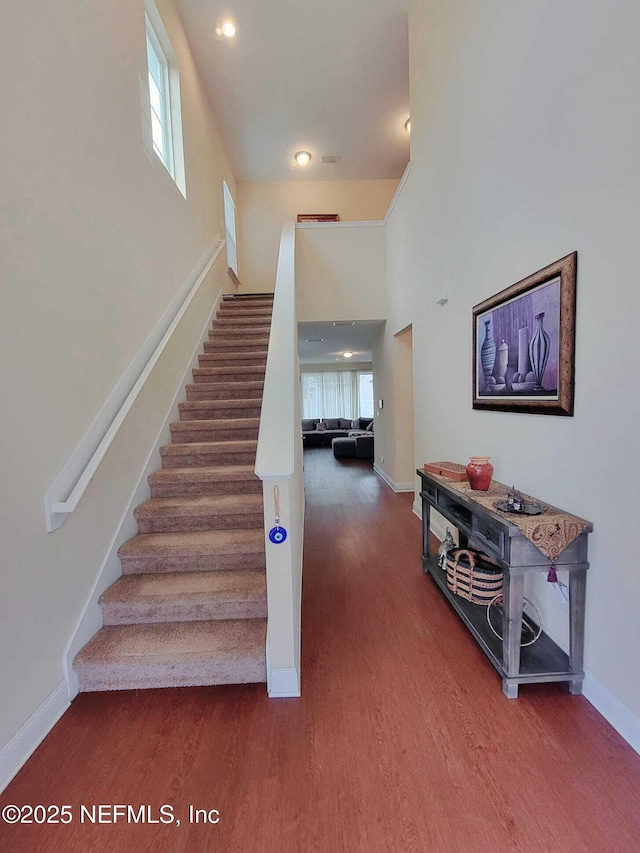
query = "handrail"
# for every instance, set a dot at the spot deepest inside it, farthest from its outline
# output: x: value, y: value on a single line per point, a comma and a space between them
x: 83, y: 463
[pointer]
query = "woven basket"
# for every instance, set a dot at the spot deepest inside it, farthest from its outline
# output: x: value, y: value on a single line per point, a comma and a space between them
x: 472, y: 577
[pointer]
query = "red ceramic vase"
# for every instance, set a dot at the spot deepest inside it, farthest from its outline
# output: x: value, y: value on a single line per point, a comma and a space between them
x: 480, y: 472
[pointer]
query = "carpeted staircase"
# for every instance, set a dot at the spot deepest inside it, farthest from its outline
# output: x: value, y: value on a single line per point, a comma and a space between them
x: 190, y: 607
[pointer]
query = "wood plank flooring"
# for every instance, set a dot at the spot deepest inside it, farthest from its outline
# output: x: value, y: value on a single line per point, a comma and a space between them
x: 403, y: 740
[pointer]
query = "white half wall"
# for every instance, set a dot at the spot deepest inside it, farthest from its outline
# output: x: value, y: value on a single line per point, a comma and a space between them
x: 265, y: 205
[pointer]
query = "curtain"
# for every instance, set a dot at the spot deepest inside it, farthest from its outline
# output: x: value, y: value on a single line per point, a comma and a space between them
x: 330, y: 394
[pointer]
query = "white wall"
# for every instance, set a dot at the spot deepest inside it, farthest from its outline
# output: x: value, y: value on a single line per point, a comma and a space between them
x: 525, y: 123
x: 95, y: 240
x: 265, y: 205
x: 340, y: 273
x: 393, y: 384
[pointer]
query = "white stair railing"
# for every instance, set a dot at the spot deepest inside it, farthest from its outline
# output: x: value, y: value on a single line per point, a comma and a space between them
x: 279, y: 466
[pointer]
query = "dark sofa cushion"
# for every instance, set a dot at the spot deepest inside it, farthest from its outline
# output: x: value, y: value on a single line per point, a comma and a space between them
x: 308, y: 424
x: 344, y: 423
x: 332, y: 423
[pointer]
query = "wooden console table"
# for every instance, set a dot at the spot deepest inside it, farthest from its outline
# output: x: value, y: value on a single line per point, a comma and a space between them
x: 493, y: 533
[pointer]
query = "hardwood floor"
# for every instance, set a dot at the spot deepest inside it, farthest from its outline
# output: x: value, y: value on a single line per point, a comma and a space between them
x: 402, y: 741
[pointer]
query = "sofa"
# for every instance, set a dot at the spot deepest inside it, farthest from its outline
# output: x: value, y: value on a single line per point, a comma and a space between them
x: 334, y: 428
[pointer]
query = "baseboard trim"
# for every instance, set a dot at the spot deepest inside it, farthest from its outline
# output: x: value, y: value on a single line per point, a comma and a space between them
x: 29, y: 737
x: 397, y: 487
x: 615, y: 712
x: 284, y: 683
x: 90, y: 620
x: 417, y: 509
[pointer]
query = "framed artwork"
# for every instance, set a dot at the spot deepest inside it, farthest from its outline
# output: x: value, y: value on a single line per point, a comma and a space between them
x: 524, y: 344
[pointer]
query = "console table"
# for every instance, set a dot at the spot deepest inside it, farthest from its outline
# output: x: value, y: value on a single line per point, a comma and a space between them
x: 495, y: 534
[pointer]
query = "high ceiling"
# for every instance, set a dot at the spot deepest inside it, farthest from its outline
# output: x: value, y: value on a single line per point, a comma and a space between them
x: 329, y: 77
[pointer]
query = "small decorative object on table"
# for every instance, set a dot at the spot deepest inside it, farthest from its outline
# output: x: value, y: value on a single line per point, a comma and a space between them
x: 480, y: 472
x: 517, y: 504
x: 446, y: 545
x: 451, y: 470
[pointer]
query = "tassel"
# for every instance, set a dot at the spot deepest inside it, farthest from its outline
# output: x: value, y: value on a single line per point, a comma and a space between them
x: 552, y: 577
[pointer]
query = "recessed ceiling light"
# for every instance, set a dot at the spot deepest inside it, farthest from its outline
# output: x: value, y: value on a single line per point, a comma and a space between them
x: 347, y: 354
x: 407, y: 125
x: 303, y: 158
x: 225, y: 30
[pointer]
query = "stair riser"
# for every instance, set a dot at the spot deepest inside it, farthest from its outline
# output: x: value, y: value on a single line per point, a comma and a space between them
x: 154, y: 674
x: 230, y: 487
x: 260, y: 302
x: 209, y: 375
x: 231, y: 345
x: 207, y: 391
x: 235, y: 333
x: 217, y: 434
x: 206, y: 460
x: 187, y: 524
x: 240, y: 322
x: 262, y: 314
x: 136, y: 613
x: 207, y: 413
x: 216, y: 359
x: 167, y: 564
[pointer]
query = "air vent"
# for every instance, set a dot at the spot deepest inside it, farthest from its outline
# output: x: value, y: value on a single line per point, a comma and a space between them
x: 345, y: 323
x: 332, y: 158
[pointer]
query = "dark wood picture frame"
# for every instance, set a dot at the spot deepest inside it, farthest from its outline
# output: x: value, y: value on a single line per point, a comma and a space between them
x: 524, y: 344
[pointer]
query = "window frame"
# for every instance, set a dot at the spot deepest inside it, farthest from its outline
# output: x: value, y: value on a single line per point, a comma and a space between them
x: 164, y: 120
x: 158, y: 39
x: 229, y: 206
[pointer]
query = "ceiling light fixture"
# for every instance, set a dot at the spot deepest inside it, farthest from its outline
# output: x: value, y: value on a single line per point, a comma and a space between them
x: 303, y: 158
x: 347, y: 354
x: 225, y: 30
x: 407, y: 125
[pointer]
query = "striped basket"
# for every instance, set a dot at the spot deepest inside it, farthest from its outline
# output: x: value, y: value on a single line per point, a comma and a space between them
x: 471, y: 576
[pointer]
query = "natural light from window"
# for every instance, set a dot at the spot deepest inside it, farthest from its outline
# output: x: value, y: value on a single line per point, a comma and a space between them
x: 337, y: 394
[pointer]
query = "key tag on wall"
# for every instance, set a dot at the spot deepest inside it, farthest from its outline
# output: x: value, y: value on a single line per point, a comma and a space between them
x: 277, y: 534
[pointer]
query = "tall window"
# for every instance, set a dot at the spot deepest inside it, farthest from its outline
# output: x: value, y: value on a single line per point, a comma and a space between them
x: 160, y: 97
x: 337, y: 394
x: 365, y: 394
x: 160, y: 100
x: 230, y: 227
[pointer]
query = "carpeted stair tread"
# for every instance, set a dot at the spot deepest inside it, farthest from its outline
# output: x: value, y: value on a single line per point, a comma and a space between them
x: 196, y: 454
x: 185, y: 596
x: 216, y: 479
x: 237, y: 373
x: 211, y: 550
x: 235, y: 341
x: 219, y: 429
x: 225, y: 390
x: 211, y: 409
x: 252, y: 357
x: 175, y: 654
x: 235, y: 333
x: 200, y: 512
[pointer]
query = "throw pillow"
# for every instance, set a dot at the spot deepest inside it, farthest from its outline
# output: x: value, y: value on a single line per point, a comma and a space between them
x: 307, y: 424
x: 332, y: 423
x: 369, y: 427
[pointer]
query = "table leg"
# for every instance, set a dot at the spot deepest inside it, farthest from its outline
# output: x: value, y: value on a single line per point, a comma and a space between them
x: 513, y: 594
x: 426, y: 516
x: 577, y: 596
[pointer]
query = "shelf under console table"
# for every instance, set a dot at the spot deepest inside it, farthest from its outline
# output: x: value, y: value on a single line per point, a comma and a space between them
x: 496, y: 535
